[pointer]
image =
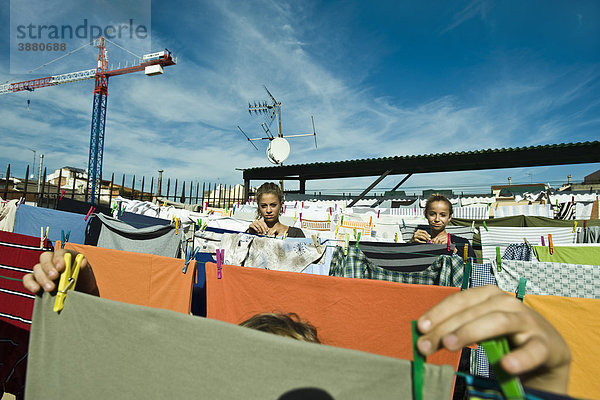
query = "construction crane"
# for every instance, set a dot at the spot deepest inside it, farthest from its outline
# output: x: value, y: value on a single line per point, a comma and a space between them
x: 151, y: 64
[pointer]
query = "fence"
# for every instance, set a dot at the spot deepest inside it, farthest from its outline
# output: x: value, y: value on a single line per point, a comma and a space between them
x: 45, y: 193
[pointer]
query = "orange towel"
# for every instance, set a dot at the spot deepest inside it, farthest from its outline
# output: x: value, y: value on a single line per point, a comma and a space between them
x: 578, y: 321
x: 143, y: 279
x: 360, y: 314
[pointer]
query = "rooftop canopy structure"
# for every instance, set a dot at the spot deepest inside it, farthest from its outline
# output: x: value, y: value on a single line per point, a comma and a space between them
x: 532, y: 156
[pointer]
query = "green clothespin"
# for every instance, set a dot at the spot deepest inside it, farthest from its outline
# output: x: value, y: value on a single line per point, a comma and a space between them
x: 354, y: 233
x: 485, y: 226
x: 358, y: 239
x: 418, y: 365
x: 521, y: 289
x: 510, y: 385
x: 498, y: 259
x: 466, y: 275
x: 342, y: 221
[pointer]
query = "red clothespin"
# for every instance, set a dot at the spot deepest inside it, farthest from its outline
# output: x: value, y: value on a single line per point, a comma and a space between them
x: 550, y: 243
x: 335, y: 206
x: 573, y: 200
x: 90, y: 211
x: 62, y: 193
x: 300, y: 217
x: 220, y: 255
x: 378, y: 211
x: 543, y: 243
x: 302, y: 204
x: 296, y: 205
x: 449, y: 242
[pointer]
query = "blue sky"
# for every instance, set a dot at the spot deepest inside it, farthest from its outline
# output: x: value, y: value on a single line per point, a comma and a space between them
x: 380, y: 78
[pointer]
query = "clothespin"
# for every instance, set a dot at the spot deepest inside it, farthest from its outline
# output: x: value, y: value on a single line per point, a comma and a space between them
x: 521, y: 288
x: 378, y: 211
x: 68, y: 280
x: 342, y: 221
x: 466, y: 274
x: 336, y: 231
x: 315, y: 239
x: 165, y: 204
x: 328, y: 217
x: 90, y: 211
x: 354, y: 230
x: 65, y: 238
x: 300, y: 217
x: 220, y: 256
x: 485, y: 226
x: 543, y: 242
x: 449, y: 242
x: 550, y: 244
x: 573, y: 200
x: 472, y: 226
x: 114, y: 207
x: 43, y: 236
x: 177, y: 225
x: 403, y: 224
x: 466, y: 252
x: 396, y: 237
x: 199, y: 221
x: 498, y: 259
x: 526, y: 242
x: 189, y: 256
x: 335, y: 206
x: 575, y: 225
x: 204, y: 226
x: 172, y: 219
x: 346, y: 240
x: 62, y: 193
x: 302, y: 204
x: 371, y: 219
x: 418, y: 375
x: 358, y: 239
x: 495, y: 350
x: 295, y: 206
x: 294, y: 216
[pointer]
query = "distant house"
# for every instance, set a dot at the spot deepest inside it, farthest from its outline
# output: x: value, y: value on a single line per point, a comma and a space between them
x: 509, y: 192
x: 593, y: 178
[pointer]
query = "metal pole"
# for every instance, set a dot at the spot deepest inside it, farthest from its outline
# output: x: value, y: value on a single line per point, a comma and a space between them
x: 26, y: 183
x: 40, y: 172
x: 159, y: 183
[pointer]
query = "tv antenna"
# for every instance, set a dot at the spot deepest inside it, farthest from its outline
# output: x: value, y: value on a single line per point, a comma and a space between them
x: 279, y: 148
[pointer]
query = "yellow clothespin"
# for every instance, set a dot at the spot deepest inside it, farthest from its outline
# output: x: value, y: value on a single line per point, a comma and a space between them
x: 574, y: 226
x: 396, y: 237
x: 177, y: 225
x: 466, y: 252
x: 43, y: 236
x: 346, y: 240
x: 336, y: 231
x: 68, y: 280
x: 354, y: 230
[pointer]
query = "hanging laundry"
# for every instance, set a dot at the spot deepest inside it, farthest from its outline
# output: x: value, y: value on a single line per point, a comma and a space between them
x: 578, y: 321
x: 549, y: 278
x: 157, y: 240
x: 8, y: 211
x: 517, y: 251
x: 269, y: 253
x: 143, y: 279
x: 444, y: 271
x: 341, y: 309
x: 29, y: 219
x: 233, y: 362
x: 18, y: 255
x: 588, y: 255
x: 482, y: 275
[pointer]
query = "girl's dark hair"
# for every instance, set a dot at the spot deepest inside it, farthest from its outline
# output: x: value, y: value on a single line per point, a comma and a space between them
x: 283, y: 324
x: 437, y: 197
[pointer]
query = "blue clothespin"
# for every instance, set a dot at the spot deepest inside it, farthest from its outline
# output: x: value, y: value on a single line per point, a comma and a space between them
x: 64, y: 238
x: 403, y: 224
x: 189, y: 256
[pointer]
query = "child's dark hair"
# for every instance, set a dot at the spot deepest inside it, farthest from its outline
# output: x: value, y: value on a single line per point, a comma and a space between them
x: 437, y: 197
x: 289, y: 325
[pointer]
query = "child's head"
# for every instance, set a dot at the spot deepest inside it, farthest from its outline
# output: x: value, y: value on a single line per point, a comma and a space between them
x: 438, y: 211
x: 269, y: 198
x: 288, y: 325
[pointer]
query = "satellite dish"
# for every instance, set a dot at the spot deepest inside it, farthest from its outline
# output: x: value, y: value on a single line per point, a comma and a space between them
x: 278, y: 150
